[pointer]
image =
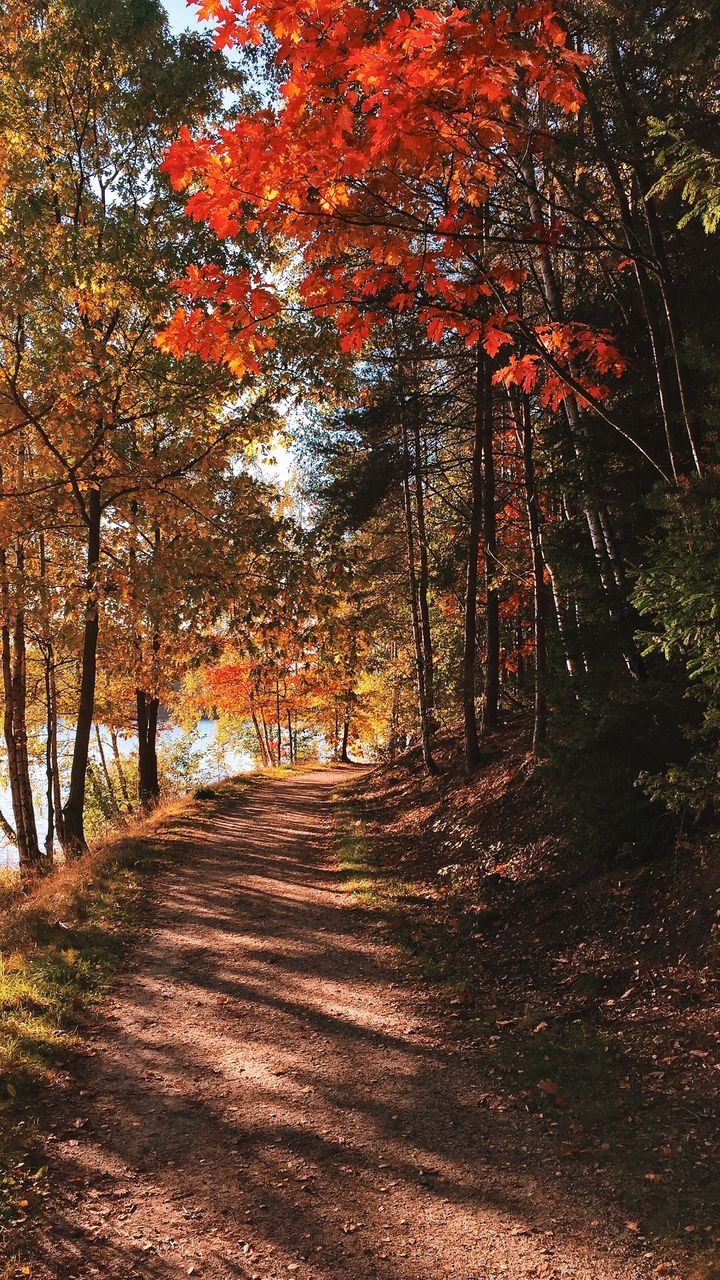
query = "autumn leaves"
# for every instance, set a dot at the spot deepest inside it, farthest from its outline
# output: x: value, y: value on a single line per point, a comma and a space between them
x: 390, y: 139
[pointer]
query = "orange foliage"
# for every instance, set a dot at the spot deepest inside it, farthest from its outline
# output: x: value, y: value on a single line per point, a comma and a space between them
x: 390, y: 134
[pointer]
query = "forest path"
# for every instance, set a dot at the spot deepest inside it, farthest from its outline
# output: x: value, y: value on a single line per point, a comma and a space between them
x: 261, y: 1098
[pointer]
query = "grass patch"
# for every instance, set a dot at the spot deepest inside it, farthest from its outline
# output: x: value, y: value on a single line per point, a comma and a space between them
x: 397, y: 905
x: 59, y: 949
x: 357, y: 860
x: 61, y: 942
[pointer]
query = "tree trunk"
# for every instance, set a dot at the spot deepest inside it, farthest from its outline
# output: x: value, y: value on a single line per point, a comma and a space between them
x: 278, y: 723
x: 616, y: 605
x: 49, y: 772
x: 268, y: 741
x: 538, y: 574
x: 122, y: 780
x: 420, y: 634
x: 418, y: 580
x: 148, y: 784
x: 568, y: 631
x: 426, y: 717
x: 657, y: 243
x: 102, y: 799
x: 8, y: 830
x: 19, y: 688
x: 344, y: 757
x: 20, y: 835
x: 491, y: 689
x: 45, y: 645
x: 567, y: 624
x: 141, y: 716
x: 73, y: 826
x: 106, y: 771
x: 53, y: 723
x: 258, y: 734
x: 153, y: 776
x: 423, y: 573
x: 469, y: 660
x: 14, y: 687
x: 636, y: 250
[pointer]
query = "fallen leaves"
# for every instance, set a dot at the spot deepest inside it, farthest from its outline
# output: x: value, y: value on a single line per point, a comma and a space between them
x: 549, y: 1087
x: 552, y: 1090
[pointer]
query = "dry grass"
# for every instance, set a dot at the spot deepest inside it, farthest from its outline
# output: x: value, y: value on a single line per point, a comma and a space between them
x: 62, y: 939
x: 68, y: 881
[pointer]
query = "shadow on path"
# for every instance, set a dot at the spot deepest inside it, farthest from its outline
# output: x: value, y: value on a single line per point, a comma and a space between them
x: 262, y: 1099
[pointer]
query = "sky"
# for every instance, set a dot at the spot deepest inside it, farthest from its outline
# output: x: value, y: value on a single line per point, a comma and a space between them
x: 180, y: 14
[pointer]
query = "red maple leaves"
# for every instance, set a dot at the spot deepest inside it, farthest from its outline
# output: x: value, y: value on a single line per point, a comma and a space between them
x: 383, y: 169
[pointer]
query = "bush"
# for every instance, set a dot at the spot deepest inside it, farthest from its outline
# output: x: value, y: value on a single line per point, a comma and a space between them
x: 678, y: 593
x: 601, y: 744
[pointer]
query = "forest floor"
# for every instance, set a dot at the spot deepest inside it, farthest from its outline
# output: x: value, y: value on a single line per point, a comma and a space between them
x: 587, y: 987
x: 267, y: 1093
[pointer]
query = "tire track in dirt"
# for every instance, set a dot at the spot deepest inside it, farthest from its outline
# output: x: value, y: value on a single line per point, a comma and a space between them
x: 264, y: 1099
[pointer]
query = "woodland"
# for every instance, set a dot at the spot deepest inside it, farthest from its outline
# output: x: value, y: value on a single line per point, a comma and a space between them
x: 459, y: 266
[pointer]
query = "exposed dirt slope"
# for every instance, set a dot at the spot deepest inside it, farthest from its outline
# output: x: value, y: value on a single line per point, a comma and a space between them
x: 263, y: 1096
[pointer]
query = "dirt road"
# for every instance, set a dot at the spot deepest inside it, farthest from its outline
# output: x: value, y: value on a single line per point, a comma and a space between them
x: 266, y: 1097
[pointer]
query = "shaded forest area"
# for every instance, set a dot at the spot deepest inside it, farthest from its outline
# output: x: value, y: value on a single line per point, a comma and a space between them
x: 587, y: 991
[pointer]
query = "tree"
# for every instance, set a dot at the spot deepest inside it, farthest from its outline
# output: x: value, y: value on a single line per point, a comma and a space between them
x: 104, y: 415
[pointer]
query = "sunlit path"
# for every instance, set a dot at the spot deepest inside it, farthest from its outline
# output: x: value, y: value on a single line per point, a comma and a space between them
x: 261, y: 1099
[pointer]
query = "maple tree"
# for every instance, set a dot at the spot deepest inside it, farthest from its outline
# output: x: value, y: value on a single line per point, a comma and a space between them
x: 391, y: 135
x: 394, y: 139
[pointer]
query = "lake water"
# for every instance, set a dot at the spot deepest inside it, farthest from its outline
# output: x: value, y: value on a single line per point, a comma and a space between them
x: 212, y: 761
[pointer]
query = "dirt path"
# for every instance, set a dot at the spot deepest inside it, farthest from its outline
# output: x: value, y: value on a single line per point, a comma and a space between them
x: 263, y: 1100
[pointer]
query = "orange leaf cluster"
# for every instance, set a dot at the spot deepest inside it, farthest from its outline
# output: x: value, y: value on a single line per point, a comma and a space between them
x: 375, y: 167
